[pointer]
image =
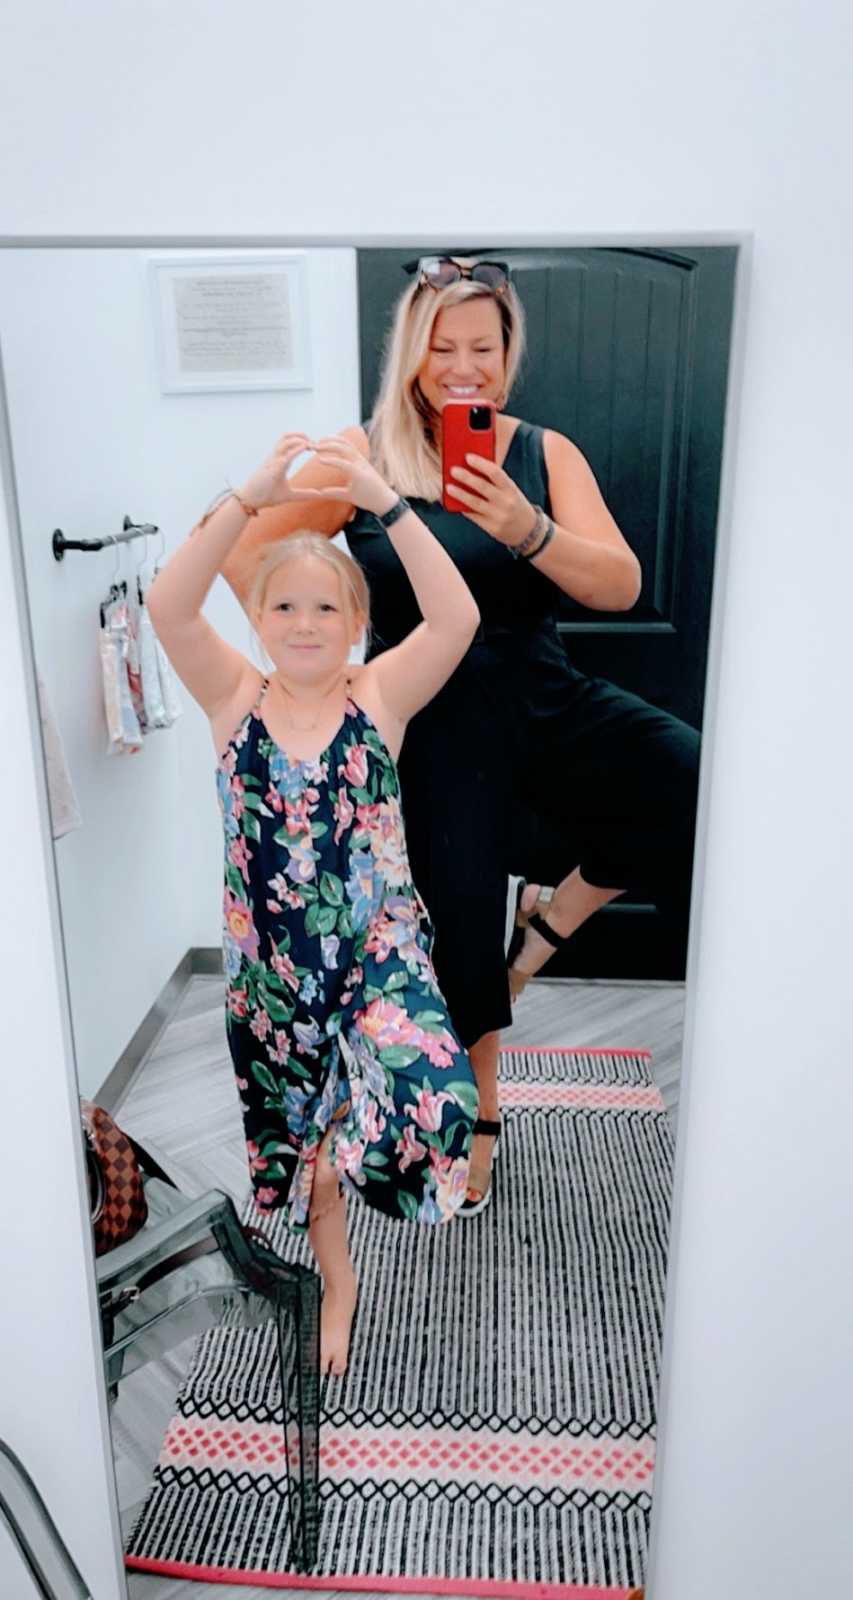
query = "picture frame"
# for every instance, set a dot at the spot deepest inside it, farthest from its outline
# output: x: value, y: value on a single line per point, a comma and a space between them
x: 230, y: 321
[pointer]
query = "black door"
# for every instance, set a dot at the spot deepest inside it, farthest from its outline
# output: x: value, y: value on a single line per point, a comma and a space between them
x: 628, y: 356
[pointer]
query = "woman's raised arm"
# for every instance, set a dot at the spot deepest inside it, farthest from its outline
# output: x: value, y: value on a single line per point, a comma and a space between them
x: 276, y: 522
x: 408, y: 675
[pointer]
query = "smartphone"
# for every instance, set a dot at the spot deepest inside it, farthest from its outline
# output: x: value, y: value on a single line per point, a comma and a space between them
x: 466, y: 429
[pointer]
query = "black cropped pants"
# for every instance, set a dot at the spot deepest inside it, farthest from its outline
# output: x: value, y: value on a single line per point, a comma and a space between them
x: 518, y: 733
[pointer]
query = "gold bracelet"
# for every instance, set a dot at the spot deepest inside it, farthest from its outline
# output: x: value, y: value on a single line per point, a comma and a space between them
x: 251, y: 511
x: 227, y: 494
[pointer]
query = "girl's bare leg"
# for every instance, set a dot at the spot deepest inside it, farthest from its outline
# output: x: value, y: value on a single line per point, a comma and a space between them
x: 574, y: 901
x: 327, y: 1233
x: 484, y: 1060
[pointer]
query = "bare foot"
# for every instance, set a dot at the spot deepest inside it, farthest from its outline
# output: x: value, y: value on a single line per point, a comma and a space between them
x: 336, y: 1314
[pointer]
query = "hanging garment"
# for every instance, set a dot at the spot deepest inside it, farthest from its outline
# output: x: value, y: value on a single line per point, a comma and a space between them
x: 64, y: 810
x: 125, y: 735
x: 168, y: 686
x: 160, y: 694
x: 134, y: 667
x: 156, y: 715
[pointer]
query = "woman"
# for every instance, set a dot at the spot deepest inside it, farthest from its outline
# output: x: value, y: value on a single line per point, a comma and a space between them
x: 516, y: 724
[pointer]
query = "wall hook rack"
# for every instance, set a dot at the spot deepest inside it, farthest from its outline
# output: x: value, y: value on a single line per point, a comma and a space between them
x: 131, y: 530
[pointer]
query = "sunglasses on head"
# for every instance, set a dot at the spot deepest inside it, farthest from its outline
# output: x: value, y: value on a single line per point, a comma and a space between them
x: 440, y: 271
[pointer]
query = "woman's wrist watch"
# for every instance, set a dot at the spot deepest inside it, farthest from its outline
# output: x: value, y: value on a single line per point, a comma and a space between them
x: 397, y: 510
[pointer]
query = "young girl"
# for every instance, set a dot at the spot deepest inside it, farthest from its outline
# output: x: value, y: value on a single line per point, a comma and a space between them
x: 346, y: 1061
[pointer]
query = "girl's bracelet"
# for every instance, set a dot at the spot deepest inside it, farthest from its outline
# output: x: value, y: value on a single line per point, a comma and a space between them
x: 549, y: 534
x: 531, y: 539
x: 228, y: 494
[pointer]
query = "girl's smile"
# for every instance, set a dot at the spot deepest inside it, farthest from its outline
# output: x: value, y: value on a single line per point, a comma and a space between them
x: 304, y: 619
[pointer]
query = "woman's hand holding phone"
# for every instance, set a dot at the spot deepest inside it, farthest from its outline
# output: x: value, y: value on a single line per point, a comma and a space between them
x: 491, y: 499
x: 466, y: 429
x: 473, y: 483
x: 482, y: 490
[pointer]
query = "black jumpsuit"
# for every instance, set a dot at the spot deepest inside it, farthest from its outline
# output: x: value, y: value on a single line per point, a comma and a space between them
x: 518, y: 727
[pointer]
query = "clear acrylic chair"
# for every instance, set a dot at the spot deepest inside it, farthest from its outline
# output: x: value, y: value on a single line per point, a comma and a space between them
x: 194, y: 1266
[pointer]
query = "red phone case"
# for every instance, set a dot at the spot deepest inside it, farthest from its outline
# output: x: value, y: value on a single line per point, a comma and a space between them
x: 459, y: 439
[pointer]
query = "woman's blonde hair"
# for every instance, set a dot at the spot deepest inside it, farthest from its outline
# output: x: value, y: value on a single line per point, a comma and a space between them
x: 354, y: 591
x: 402, y: 441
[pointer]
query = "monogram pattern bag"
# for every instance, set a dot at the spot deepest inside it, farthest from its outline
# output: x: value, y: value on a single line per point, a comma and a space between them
x: 116, y: 1193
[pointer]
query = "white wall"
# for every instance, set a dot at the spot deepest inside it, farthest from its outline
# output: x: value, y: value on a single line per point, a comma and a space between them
x: 476, y: 123
x: 52, y: 1402
x: 94, y: 437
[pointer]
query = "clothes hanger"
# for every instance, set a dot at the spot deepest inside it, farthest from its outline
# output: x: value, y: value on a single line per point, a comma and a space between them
x: 118, y: 588
x: 139, y: 566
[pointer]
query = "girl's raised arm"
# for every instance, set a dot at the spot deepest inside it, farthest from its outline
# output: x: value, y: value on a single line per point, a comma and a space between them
x: 410, y: 674
x: 211, y: 669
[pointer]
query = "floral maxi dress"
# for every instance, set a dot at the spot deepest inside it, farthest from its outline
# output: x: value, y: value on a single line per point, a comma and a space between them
x: 334, y: 1015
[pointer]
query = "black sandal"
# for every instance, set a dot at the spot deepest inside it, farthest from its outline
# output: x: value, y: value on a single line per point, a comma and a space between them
x: 517, y: 920
x: 518, y: 980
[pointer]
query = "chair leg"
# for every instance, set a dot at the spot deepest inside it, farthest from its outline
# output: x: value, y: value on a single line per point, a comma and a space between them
x: 298, y: 1326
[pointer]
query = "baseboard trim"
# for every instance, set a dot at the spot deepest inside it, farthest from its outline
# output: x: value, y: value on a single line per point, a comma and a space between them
x: 206, y: 961
x: 200, y: 961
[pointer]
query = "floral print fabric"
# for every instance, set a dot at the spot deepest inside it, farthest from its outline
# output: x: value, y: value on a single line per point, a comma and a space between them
x: 334, y: 1015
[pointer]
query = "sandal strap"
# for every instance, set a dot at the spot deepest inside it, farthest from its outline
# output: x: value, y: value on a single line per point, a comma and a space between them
x: 483, y: 1126
x: 551, y: 935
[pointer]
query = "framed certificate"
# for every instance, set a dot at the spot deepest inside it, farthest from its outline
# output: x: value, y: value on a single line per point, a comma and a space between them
x: 231, y: 321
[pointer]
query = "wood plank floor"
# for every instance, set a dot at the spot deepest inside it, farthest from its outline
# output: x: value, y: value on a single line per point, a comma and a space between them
x: 183, y: 1105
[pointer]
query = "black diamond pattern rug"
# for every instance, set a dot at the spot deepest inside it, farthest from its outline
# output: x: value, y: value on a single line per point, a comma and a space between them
x: 494, y: 1433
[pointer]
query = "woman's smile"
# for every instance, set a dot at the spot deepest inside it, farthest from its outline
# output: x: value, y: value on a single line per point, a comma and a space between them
x: 465, y: 360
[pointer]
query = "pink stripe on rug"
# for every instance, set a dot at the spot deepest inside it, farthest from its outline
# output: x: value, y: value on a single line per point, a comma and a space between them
x: 294, y: 1580
x: 389, y: 1454
x: 601, y: 1096
x: 252, y: 1447
x: 514, y: 1459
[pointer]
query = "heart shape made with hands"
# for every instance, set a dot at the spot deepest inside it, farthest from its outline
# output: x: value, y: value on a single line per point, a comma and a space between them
x: 355, y: 478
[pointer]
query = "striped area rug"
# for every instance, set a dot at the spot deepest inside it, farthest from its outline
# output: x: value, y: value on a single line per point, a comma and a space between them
x: 494, y: 1433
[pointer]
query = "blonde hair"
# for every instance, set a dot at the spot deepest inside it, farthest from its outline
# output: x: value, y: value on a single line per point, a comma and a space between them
x: 354, y: 591
x: 402, y: 440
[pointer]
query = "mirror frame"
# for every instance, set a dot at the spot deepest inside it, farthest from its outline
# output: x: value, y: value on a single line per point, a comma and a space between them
x: 441, y: 239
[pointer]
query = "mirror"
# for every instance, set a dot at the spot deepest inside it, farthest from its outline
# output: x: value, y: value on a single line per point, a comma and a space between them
x: 497, y: 1419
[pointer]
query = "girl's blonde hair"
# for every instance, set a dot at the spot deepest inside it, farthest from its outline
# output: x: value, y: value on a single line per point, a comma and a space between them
x: 402, y: 440
x: 354, y: 591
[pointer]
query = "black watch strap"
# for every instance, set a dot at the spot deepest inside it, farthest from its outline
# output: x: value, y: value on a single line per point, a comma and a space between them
x: 388, y: 518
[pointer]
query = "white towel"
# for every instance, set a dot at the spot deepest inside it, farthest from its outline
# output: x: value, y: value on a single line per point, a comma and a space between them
x: 64, y: 810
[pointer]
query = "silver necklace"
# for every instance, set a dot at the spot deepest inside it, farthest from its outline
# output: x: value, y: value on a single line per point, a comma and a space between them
x: 307, y: 727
